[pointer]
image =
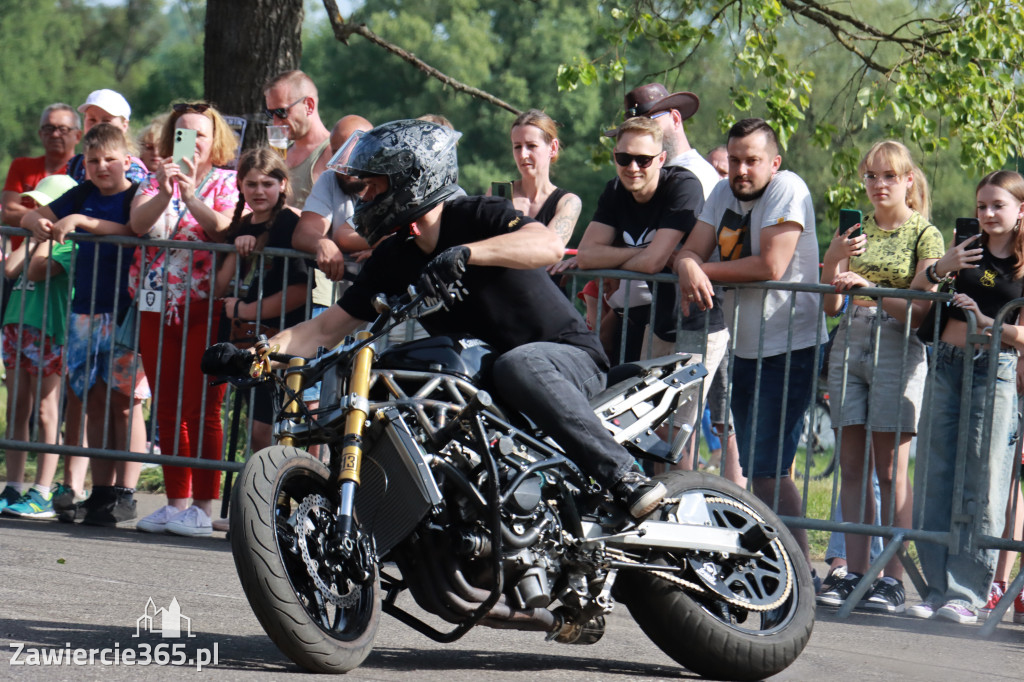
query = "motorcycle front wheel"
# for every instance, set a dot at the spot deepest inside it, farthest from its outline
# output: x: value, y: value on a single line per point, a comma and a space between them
x: 282, y: 513
x: 726, y: 618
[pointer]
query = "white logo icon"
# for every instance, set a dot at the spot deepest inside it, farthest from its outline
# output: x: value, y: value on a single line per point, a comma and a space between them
x: 170, y: 620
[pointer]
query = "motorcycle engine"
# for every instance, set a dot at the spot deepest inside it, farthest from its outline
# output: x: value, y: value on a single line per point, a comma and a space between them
x: 530, y: 534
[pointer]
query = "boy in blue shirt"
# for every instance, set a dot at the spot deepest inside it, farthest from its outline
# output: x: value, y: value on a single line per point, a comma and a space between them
x: 100, y: 206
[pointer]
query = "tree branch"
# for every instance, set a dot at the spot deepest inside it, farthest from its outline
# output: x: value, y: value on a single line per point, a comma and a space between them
x: 343, y: 30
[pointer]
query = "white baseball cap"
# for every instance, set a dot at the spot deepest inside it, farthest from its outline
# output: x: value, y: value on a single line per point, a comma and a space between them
x: 109, y: 101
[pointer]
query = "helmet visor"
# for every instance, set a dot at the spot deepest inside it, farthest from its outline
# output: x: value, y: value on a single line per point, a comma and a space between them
x: 340, y: 162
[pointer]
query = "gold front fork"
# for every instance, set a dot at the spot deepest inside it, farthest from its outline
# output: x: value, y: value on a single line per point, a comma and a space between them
x: 355, y: 420
x: 291, y: 408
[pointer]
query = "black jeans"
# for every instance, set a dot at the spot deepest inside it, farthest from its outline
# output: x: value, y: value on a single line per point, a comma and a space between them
x: 551, y: 383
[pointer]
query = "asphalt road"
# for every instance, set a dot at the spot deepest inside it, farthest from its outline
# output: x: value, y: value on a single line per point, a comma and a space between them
x: 74, y: 587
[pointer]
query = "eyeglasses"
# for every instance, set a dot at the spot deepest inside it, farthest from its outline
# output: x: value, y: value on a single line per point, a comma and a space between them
x: 659, y: 114
x: 283, y: 111
x: 51, y: 129
x: 186, y: 107
x: 642, y: 160
x: 884, y: 179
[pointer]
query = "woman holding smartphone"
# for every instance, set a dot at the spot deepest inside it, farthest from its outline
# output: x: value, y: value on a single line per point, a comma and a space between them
x: 187, y: 199
x: 988, y: 271
x: 878, y: 400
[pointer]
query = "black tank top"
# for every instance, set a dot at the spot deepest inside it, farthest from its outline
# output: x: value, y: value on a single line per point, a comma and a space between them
x: 547, y: 211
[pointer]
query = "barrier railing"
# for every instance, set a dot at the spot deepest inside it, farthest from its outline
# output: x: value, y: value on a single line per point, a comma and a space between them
x: 963, y: 520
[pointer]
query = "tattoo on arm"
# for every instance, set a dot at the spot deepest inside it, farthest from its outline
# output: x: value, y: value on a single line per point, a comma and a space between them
x: 564, y: 222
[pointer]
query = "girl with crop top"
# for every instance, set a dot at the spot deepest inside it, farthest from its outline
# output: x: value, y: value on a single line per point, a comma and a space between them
x: 877, y: 397
x: 988, y: 272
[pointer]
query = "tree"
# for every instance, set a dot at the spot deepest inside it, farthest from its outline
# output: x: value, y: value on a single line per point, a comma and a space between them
x: 247, y: 43
x: 932, y: 73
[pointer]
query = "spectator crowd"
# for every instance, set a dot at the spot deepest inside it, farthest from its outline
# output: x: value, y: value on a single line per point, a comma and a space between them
x: 93, y: 329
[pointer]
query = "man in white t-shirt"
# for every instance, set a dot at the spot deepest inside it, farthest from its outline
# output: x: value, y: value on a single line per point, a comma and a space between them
x: 323, y: 229
x: 762, y: 222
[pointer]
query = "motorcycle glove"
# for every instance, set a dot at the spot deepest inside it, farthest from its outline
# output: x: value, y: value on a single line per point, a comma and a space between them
x: 225, y: 359
x: 441, y: 278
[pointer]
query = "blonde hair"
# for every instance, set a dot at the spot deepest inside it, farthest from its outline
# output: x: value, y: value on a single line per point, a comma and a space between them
x: 641, y: 125
x: 898, y: 156
x: 152, y: 132
x: 1013, y: 183
x: 222, y: 152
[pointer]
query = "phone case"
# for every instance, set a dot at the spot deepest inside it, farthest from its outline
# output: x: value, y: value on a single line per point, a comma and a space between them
x: 184, y: 145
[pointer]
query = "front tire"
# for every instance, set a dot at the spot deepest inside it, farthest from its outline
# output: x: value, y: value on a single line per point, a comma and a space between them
x: 283, y: 494
x: 716, y: 637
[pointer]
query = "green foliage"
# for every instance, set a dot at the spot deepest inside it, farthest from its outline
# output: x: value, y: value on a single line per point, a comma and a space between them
x: 60, y: 50
x: 511, y: 49
x: 944, y: 77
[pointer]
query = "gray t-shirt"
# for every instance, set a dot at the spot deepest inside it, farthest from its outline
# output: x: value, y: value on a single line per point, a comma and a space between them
x: 786, y: 199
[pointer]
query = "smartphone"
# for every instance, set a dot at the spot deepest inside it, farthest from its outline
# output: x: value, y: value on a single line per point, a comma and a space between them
x: 848, y: 217
x: 184, y: 146
x: 965, y: 229
x: 501, y: 189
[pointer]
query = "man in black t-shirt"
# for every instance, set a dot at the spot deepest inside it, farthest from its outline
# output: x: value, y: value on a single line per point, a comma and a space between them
x: 550, y: 363
x: 641, y: 218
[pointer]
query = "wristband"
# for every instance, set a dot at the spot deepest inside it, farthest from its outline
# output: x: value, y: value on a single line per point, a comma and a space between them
x: 234, y: 314
x: 929, y: 273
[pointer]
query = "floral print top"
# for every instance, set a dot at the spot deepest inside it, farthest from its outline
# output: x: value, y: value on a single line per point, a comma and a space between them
x: 220, y: 192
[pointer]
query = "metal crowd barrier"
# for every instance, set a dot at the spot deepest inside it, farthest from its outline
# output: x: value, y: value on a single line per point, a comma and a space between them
x: 960, y: 523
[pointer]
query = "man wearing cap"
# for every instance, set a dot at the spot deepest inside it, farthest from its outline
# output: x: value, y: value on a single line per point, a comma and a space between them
x: 59, y: 131
x: 292, y: 101
x: 670, y: 110
x: 107, y: 106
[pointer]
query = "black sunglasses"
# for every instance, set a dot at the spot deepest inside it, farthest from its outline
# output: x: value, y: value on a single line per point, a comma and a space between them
x: 283, y: 111
x: 642, y: 160
x: 185, y: 107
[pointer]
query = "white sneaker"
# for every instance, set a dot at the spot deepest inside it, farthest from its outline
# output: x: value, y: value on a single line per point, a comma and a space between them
x: 193, y: 522
x: 157, y: 521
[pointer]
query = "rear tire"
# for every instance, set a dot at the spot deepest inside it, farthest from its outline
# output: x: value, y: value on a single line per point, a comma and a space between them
x: 292, y: 605
x: 702, y: 631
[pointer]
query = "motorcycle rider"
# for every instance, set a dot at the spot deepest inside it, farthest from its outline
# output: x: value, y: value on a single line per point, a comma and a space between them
x: 485, y: 262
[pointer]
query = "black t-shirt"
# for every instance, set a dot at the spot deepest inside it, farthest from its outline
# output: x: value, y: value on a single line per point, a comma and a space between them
x: 676, y: 203
x: 280, y: 237
x: 504, y: 307
x: 992, y: 285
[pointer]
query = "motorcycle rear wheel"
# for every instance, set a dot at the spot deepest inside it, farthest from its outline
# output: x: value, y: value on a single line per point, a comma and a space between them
x: 298, y: 615
x: 703, y: 632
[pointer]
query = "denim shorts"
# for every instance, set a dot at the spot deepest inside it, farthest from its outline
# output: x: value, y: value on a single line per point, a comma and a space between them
x: 886, y: 396
x: 772, y: 414
x: 91, y: 347
x: 37, y: 351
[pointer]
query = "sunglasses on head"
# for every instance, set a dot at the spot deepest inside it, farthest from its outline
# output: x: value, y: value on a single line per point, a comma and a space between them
x: 642, y: 160
x: 186, y: 107
x: 283, y: 111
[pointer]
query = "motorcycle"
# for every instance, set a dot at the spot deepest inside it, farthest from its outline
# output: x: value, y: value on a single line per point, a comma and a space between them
x: 431, y: 487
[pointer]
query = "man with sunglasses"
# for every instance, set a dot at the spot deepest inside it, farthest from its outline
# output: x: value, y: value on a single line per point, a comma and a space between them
x: 641, y: 218
x: 60, y: 129
x: 762, y: 223
x: 293, y: 101
x: 670, y: 110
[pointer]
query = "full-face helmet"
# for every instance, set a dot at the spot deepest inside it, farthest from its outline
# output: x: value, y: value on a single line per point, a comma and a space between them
x: 419, y: 160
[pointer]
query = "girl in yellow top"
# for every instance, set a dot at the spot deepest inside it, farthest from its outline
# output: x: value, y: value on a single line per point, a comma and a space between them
x: 878, y: 397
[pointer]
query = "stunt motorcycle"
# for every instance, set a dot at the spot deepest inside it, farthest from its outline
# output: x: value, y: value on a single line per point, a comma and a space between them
x: 432, y: 487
